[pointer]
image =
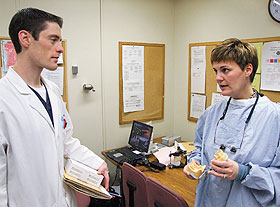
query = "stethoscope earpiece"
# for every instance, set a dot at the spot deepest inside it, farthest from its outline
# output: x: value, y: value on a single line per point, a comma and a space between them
x: 233, y: 150
x: 222, y: 147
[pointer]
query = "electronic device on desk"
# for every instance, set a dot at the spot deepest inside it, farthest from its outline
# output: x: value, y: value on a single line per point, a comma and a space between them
x: 139, y: 142
x: 157, y: 165
x: 153, y: 166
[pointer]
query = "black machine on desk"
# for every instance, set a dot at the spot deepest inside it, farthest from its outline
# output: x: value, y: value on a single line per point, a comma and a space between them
x: 139, y: 141
x: 177, y: 158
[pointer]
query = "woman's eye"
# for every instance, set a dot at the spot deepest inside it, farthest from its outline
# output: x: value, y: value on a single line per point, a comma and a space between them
x: 225, y: 70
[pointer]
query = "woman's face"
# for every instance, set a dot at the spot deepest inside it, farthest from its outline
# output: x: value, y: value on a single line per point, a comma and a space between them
x: 232, y: 80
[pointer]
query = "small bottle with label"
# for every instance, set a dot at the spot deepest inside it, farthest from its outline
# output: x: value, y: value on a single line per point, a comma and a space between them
x: 177, y: 157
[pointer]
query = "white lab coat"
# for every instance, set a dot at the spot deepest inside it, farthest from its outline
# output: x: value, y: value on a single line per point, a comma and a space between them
x: 32, y: 151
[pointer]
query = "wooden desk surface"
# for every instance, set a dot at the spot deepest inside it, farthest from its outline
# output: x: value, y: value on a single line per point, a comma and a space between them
x: 175, y: 179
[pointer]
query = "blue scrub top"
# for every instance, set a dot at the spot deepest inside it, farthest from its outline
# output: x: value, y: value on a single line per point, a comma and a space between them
x: 259, y: 148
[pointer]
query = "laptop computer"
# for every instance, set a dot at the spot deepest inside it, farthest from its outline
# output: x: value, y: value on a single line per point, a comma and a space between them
x: 139, y: 141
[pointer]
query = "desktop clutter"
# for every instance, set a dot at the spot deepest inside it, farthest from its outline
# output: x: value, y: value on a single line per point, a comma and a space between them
x: 177, y: 155
x: 169, y: 153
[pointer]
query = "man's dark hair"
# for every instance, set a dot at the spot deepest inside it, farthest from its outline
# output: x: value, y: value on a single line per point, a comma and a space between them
x: 32, y: 20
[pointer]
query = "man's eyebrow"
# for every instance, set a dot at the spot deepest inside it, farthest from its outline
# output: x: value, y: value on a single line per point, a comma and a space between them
x: 54, y: 36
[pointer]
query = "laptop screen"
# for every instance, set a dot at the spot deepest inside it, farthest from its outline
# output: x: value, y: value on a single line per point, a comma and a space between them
x: 140, y: 136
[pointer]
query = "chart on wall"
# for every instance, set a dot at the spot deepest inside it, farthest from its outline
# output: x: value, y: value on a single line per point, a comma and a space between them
x: 8, y: 55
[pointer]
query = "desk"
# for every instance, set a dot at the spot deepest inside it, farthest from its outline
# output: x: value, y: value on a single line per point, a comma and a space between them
x: 175, y: 179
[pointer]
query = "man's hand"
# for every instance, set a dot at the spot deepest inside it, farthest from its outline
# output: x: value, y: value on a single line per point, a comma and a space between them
x: 103, y: 170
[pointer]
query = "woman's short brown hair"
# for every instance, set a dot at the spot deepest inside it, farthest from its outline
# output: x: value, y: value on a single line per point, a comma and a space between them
x: 235, y: 50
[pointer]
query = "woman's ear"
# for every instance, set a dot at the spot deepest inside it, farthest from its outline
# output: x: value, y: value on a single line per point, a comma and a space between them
x: 248, y: 70
x: 24, y: 38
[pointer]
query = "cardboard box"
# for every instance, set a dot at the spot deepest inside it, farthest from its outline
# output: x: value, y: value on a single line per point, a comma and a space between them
x: 83, y: 172
x: 169, y: 141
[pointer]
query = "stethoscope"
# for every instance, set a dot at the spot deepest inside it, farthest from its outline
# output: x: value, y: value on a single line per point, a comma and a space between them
x: 232, y: 148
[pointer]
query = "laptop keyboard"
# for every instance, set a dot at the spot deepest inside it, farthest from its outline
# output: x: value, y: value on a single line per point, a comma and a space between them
x: 126, y: 151
x: 124, y: 154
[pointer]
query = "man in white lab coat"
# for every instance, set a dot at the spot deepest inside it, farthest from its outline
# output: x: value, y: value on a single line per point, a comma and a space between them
x: 35, y: 128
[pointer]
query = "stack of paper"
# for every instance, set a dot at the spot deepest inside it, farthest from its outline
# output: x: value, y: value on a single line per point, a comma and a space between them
x: 83, y: 172
x: 85, y: 188
x: 84, y: 179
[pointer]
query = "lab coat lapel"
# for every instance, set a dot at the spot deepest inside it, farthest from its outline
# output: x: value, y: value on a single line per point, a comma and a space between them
x: 55, y: 111
x: 36, y: 104
x: 54, y: 104
x: 26, y: 92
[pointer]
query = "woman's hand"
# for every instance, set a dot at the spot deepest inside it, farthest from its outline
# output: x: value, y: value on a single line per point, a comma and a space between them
x: 186, y: 171
x: 224, y: 169
x: 103, y: 170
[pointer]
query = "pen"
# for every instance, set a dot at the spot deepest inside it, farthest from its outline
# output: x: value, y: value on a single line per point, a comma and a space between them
x: 114, y: 194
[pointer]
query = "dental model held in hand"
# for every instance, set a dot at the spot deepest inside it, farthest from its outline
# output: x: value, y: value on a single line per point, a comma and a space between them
x: 220, y: 155
x: 198, y: 171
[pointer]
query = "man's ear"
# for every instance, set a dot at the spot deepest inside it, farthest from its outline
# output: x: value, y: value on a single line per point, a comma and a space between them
x: 248, y: 70
x: 24, y: 38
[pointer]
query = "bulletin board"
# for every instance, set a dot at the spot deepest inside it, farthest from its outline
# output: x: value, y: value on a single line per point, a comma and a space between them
x: 64, y: 65
x: 154, y: 67
x: 210, y: 76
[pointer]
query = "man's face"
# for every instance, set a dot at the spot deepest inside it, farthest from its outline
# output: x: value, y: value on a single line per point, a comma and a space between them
x: 45, y: 51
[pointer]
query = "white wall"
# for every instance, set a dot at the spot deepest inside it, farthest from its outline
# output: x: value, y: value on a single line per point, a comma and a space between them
x: 207, y: 21
x: 134, y: 21
x: 7, y: 10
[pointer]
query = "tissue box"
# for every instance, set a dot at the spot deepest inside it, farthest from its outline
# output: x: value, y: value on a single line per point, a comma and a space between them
x: 83, y: 172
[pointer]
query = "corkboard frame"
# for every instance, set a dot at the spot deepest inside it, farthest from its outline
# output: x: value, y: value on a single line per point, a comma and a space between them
x: 210, y: 77
x: 154, y: 75
x: 64, y: 65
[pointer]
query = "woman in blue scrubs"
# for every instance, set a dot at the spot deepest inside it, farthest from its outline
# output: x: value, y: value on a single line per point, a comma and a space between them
x: 246, y: 127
